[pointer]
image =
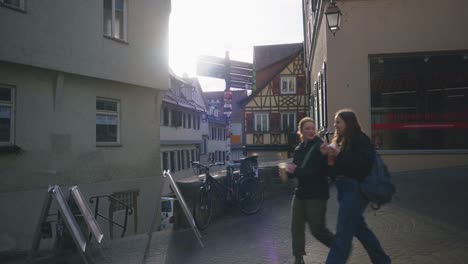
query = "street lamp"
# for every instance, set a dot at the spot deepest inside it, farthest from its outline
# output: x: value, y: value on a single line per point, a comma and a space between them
x: 333, y: 14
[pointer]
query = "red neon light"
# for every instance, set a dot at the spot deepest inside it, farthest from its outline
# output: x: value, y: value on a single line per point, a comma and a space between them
x: 421, y: 125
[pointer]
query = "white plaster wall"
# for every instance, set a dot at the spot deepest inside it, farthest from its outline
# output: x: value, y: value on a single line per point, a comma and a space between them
x: 67, y: 35
x: 181, y: 133
x: 56, y: 128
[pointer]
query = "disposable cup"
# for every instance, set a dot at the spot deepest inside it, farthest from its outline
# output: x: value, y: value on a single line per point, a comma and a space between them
x: 282, y: 171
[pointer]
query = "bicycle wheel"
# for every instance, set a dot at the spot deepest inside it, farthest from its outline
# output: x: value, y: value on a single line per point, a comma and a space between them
x: 202, y: 208
x: 250, y: 195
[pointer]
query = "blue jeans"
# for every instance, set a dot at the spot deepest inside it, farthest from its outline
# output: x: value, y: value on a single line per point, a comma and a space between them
x: 351, y: 223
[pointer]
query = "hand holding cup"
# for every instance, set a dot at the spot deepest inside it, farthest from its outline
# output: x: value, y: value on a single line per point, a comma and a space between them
x: 282, y: 171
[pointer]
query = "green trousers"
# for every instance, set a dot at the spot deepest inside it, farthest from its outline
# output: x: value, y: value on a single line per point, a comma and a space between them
x: 313, y: 213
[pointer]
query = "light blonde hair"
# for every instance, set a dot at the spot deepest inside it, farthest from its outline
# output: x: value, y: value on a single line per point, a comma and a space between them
x: 301, y: 125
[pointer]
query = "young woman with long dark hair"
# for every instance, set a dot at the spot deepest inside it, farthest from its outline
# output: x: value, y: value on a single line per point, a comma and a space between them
x: 354, y: 155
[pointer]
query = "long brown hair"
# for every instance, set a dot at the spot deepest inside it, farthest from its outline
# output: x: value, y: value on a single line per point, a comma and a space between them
x: 352, y: 128
x: 301, y: 124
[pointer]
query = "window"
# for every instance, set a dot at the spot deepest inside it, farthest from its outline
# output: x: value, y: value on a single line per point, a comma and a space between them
x: 107, y: 121
x: 288, y: 122
x: 189, y: 117
x: 176, y: 118
x: 320, y: 99
x: 417, y: 98
x: 188, y: 158
x: 115, y: 19
x: 288, y: 85
x: 16, y: 4
x: 165, y: 117
x: 183, y: 120
x: 7, y: 108
x: 165, y: 161
x: 204, y: 145
x: 262, y: 122
x: 182, y: 159
x: 178, y: 160
x: 173, y: 162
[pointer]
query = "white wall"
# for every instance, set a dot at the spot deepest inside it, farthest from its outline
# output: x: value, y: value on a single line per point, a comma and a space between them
x: 67, y: 35
x: 55, y: 126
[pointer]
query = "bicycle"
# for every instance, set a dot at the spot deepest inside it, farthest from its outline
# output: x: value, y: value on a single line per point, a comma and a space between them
x: 243, y: 187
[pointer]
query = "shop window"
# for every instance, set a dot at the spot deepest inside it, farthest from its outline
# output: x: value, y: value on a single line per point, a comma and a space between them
x: 419, y: 101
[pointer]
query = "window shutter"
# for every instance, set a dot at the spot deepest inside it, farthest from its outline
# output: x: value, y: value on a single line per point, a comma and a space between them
x: 249, y: 119
x: 275, y: 122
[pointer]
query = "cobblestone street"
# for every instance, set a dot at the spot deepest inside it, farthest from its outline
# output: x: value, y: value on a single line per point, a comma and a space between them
x: 427, y: 223
x: 416, y: 228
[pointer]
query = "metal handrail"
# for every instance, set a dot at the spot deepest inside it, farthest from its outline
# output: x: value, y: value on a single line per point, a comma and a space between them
x: 128, y: 211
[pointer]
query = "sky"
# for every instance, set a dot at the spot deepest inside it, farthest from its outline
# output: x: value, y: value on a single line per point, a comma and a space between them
x: 211, y: 27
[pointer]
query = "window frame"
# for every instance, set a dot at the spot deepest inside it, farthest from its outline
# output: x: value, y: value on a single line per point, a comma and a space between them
x: 256, y: 117
x: 166, y: 117
x: 12, y: 106
x: 165, y: 160
x: 20, y: 7
x: 288, y: 78
x: 288, y: 115
x: 320, y: 98
x: 109, y: 113
x: 113, y: 19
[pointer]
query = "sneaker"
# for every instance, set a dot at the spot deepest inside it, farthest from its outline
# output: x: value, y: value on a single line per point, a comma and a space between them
x: 299, y: 260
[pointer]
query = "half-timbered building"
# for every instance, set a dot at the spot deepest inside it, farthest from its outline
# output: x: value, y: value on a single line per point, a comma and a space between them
x: 278, y: 101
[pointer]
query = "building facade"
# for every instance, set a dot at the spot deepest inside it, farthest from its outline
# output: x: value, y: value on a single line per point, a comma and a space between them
x: 279, y: 101
x: 81, y: 85
x: 216, y: 122
x: 181, y: 127
x: 403, y: 67
x: 236, y: 130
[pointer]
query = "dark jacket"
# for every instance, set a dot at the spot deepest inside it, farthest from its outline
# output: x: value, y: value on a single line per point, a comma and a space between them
x: 312, y: 179
x: 356, y: 161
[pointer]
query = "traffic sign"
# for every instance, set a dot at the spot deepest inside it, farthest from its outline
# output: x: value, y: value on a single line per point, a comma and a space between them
x: 211, y: 70
x: 241, y: 71
x: 241, y: 64
x: 241, y: 85
x: 211, y: 59
x: 241, y: 78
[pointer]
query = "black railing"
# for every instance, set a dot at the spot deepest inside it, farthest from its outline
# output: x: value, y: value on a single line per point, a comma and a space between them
x: 128, y: 211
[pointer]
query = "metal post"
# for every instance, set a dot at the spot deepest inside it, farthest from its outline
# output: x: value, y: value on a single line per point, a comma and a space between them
x: 227, y: 90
